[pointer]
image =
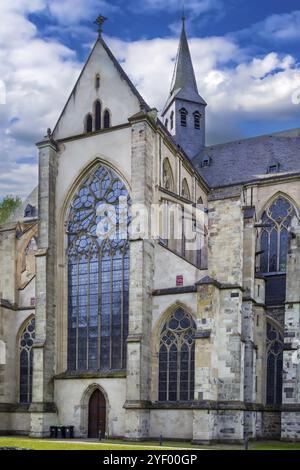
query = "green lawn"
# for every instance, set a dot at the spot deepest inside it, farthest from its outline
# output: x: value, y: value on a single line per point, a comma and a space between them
x: 46, y: 444
x: 275, y: 446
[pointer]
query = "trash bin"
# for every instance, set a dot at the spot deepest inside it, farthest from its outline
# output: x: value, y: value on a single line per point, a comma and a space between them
x: 60, y: 432
x: 53, y: 432
x: 69, y: 432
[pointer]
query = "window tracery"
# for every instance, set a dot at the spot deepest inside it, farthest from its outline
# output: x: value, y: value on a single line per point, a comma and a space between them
x: 177, y: 358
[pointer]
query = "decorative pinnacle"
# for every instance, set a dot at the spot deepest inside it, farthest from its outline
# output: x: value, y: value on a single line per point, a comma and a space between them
x: 100, y: 21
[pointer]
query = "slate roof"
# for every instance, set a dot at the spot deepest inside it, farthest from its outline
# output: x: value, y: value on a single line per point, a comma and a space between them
x: 32, y: 199
x: 248, y: 160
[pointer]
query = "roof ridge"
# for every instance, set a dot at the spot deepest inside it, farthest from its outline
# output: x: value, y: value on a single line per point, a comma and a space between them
x: 246, y: 139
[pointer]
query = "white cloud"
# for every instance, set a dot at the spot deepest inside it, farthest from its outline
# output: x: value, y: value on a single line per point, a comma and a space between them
x: 153, y: 77
x: 73, y: 11
x: 38, y: 75
x: 283, y: 27
x: 237, y: 89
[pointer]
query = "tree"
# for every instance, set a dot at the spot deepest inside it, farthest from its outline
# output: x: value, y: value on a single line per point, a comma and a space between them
x: 8, y: 205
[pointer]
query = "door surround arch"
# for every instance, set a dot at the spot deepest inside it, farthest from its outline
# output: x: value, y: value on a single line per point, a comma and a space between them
x: 84, y: 408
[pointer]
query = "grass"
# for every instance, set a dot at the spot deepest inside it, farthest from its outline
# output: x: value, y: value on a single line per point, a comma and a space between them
x: 275, y: 446
x: 46, y: 444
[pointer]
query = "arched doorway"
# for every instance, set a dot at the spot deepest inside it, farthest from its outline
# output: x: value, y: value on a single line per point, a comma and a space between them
x: 97, y: 415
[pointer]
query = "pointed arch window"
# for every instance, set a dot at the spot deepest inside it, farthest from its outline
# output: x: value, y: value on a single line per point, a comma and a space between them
x: 197, y: 120
x: 177, y: 358
x: 168, y: 179
x: 97, y: 81
x: 107, y: 120
x: 183, y: 117
x: 185, y: 189
x: 274, y: 365
x: 276, y: 221
x: 98, y: 274
x: 26, y: 362
x: 97, y: 116
x: 89, y: 123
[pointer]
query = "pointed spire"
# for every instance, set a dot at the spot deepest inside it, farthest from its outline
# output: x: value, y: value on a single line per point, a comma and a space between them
x: 184, y: 75
x: 184, y: 81
x: 184, y: 112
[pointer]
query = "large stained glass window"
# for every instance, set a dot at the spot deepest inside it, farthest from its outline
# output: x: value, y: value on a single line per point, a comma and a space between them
x: 177, y: 358
x: 274, y: 365
x: 26, y: 362
x: 276, y: 221
x: 98, y: 274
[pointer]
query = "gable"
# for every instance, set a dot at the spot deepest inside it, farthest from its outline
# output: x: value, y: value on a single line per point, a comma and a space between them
x: 116, y: 93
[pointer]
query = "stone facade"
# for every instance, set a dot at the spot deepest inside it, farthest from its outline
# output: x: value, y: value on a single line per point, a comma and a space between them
x: 223, y: 294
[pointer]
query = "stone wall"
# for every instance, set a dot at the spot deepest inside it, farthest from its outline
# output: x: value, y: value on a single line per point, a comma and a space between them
x: 14, y: 423
x: 8, y: 256
x: 72, y: 400
x: 271, y: 425
x: 44, y: 345
x: 171, y: 424
x: 225, y: 254
x: 291, y: 355
x: 290, y: 429
x: 141, y: 284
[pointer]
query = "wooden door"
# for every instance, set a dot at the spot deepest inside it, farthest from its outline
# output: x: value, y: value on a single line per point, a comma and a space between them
x: 97, y: 415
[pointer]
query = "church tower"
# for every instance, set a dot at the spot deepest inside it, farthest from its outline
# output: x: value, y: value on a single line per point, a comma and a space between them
x: 184, y: 112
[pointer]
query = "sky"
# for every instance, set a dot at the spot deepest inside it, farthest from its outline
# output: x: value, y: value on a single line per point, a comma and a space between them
x: 246, y: 57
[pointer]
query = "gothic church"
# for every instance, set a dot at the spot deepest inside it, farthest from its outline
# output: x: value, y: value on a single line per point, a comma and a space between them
x: 139, y: 337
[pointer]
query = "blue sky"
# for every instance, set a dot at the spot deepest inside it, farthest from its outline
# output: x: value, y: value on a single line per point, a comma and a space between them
x: 134, y: 20
x: 246, y: 55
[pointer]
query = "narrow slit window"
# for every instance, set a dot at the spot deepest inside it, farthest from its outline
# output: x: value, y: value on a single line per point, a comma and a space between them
x: 197, y: 120
x: 97, y: 82
x: 107, y: 120
x: 172, y: 120
x: 183, y: 117
x: 89, y: 123
x: 98, y: 116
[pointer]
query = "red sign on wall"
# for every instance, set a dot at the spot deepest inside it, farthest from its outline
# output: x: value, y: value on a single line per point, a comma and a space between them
x: 179, y: 281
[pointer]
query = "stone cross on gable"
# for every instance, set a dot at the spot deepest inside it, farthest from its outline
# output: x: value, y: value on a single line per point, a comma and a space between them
x: 100, y: 21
